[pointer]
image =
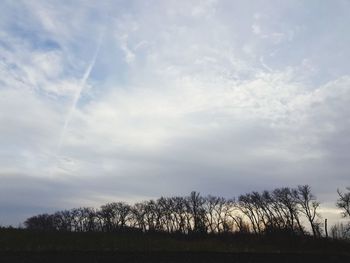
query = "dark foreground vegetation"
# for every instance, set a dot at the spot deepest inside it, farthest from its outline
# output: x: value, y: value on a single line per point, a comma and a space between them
x: 282, y: 225
x: 168, y: 257
x: 20, y: 245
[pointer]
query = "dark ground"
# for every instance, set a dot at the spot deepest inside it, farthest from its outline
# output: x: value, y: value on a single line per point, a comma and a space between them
x: 171, y: 257
x: 22, y: 246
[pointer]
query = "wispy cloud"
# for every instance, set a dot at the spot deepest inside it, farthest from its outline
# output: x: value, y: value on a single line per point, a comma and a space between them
x: 223, y: 95
x: 78, y: 92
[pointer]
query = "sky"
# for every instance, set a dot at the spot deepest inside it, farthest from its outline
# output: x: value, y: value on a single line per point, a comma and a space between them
x: 130, y: 100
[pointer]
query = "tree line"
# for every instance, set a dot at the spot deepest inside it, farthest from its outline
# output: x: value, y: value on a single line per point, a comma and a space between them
x: 282, y: 210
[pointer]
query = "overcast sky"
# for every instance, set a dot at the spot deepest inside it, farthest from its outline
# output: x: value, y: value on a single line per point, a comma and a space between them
x: 130, y: 100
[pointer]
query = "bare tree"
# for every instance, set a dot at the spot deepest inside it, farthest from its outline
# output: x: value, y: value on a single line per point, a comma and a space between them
x: 344, y: 202
x: 195, y: 208
x: 246, y: 206
x: 309, y: 206
x: 211, y: 215
x: 179, y: 213
x: 63, y: 220
x: 288, y: 204
x: 241, y: 225
x: 258, y: 212
x: 43, y: 222
x: 138, y: 213
x: 340, y: 231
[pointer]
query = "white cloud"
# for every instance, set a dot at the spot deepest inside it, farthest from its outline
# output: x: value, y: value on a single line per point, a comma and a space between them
x: 219, y: 95
x: 256, y: 29
x: 129, y: 55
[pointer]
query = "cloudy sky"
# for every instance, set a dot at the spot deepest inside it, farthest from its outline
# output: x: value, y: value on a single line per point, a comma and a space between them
x: 130, y: 100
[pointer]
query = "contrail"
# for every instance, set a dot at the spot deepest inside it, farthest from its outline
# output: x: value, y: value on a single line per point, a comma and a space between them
x: 79, y: 91
x: 77, y: 95
x: 264, y: 65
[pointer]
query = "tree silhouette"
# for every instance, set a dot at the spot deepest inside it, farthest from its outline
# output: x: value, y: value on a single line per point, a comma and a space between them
x: 309, y: 206
x: 344, y: 202
x: 280, y: 210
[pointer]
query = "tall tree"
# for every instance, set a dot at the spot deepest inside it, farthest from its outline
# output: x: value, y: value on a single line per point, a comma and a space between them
x: 195, y: 207
x: 309, y: 206
x: 344, y: 202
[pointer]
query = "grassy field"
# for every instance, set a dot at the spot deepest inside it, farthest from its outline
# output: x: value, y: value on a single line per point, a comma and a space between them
x: 27, y: 246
